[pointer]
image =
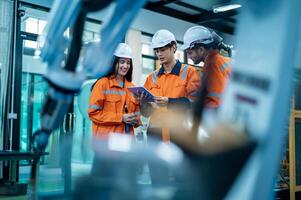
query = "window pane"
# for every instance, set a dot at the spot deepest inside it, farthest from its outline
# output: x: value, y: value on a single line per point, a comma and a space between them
x: 147, y: 50
x: 42, y: 24
x: 88, y: 36
x: 298, y: 89
x: 148, y: 65
x: 34, y: 20
x: 91, y: 31
x: 92, y: 26
x: 146, y: 39
x: 146, y: 45
x: 179, y: 55
x: 33, y: 92
x: 31, y: 25
x: 96, y: 36
x: 30, y: 44
x: 81, y: 153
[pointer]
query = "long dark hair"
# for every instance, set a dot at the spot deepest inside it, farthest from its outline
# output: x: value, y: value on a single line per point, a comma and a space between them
x: 113, y: 71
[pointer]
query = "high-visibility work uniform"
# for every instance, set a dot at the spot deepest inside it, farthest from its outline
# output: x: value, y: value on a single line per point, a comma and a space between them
x: 182, y: 83
x: 217, y: 69
x: 109, y: 100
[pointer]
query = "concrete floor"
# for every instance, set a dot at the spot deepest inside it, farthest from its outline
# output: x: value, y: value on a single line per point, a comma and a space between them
x: 51, y: 179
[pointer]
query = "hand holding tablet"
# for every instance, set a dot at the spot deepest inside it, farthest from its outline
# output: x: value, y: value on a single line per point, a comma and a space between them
x: 137, y: 91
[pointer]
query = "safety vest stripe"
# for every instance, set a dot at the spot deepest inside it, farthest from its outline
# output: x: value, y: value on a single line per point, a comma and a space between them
x: 155, y: 77
x: 184, y: 73
x: 114, y: 92
x: 225, y: 65
x: 95, y: 107
x: 194, y: 94
x: 212, y: 94
x: 191, y: 100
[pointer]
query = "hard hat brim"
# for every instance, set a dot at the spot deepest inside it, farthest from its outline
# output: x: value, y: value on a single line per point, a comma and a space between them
x: 157, y: 46
x: 123, y: 56
x: 162, y: 44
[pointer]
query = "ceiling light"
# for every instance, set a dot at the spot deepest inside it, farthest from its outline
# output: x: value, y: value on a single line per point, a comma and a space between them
x: 226, y: 8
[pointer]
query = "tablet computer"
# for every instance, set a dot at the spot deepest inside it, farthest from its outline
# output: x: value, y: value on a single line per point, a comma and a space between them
x: 139, y: 90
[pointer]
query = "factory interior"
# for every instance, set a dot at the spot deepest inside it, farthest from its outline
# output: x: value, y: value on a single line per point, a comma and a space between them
x: 188, y: 131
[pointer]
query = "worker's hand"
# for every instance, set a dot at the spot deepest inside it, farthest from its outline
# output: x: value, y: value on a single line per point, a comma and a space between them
x: 129, y: 118
x: 134, y: 119
x: 143, y: 98
x: 137, y: 97
x: 161, y: 101
x: 134, y: 122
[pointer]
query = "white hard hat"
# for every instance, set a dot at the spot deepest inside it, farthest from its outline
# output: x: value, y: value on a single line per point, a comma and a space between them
x: 162, y: 38
x: 124, y: 51
x: 196, y: 34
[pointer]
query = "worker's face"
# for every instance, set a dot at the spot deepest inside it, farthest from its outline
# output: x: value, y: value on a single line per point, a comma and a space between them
x: 197, y: 55
x: 123, y: 66
x: 166, y: 54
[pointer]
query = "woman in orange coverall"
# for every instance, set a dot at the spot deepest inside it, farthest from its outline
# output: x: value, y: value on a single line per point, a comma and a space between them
x: 112, y: 108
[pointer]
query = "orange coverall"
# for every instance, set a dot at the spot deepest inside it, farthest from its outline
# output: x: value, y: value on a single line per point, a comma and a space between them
x: 216, y: 72
x: 107, y: 106
x: 182, y: 83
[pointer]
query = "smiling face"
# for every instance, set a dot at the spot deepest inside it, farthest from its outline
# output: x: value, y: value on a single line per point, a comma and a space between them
x: 123, y: 66
x: 197, y: 55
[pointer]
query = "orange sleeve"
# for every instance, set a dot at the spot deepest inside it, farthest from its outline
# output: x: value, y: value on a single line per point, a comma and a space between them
x: 96, y: 110
x: 193, y: 85
x: 146, y: 108
x: 216, y: 81
x: 148, y: 81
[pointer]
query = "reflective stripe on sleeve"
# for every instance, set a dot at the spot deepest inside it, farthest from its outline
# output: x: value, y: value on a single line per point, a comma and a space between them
x: 212, y: 94
x: 225, y: 65
x: 184, y: 73
x: 154, y: 77
x: 114, y: 92
x: 95, y: 107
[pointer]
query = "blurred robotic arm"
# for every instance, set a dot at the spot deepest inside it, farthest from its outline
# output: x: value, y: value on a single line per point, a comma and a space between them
x: 64, y: 75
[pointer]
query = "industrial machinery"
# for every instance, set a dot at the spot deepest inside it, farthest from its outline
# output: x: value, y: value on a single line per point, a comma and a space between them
x: 261, y: 83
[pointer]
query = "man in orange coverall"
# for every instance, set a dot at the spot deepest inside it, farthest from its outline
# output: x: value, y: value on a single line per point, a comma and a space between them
x: 174, y: 85
x: 203, y: 45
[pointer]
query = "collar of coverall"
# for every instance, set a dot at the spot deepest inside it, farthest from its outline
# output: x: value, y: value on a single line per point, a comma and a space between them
x: 210, y: 55
x: 114, y: 83
x: 175, y: 70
